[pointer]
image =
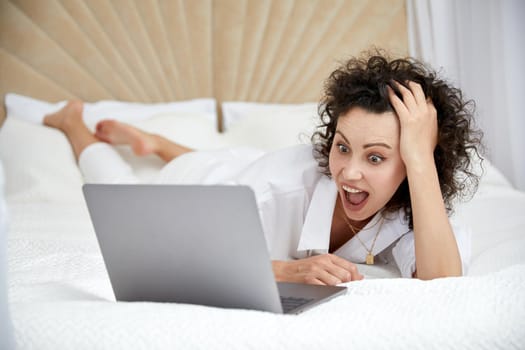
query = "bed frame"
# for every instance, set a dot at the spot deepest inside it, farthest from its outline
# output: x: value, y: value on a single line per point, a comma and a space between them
x: 158, y: 50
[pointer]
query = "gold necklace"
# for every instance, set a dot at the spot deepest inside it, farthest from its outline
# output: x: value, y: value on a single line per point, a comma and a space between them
x: 354, y: 229
x: 369, y: 256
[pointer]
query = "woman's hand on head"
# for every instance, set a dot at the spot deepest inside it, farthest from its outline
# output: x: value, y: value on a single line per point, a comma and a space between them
x: 418, y: 122
x: 326, y: 269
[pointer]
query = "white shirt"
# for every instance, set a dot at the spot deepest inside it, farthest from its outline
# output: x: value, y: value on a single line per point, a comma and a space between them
x: 295, y: 200
x: 296, y: 203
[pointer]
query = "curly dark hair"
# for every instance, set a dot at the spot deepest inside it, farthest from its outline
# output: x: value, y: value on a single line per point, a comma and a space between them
x: 362, y: 82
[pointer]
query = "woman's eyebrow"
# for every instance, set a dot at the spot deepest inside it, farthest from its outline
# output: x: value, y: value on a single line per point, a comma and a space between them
x: 343, y: 136
x: 368, y: 145
x: 381, y: 144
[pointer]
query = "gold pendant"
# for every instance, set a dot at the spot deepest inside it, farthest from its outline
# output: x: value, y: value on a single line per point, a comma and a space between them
x: 369, y: 259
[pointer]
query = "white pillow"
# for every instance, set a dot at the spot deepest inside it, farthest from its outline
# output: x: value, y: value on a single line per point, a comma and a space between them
x: 38, y: 162
x: 269, y: 126
x: 40, y: 165
x: 33, y: 110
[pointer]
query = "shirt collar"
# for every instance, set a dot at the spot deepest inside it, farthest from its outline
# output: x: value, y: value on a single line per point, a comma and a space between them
x: 318, y: 222
x: 315, y: 234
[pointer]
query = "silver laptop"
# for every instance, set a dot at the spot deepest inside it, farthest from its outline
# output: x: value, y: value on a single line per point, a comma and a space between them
x: 196, y: 244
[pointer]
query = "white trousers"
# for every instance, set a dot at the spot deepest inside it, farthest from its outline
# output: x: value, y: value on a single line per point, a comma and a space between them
x: 101, y: 163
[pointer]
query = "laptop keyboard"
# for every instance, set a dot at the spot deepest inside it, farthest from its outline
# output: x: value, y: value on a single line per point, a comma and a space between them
x: 291, y: 303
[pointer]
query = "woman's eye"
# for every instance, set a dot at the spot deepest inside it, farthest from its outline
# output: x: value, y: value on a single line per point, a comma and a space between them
x: 342, y: 148
x: 374, y: 158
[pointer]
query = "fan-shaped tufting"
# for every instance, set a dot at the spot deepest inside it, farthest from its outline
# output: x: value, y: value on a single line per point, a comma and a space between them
x: 161, y: 50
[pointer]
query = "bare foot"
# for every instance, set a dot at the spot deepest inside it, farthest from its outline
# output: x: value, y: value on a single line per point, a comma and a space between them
x: 117, y: 133
x: 69, y: 120
x: 69, y: 116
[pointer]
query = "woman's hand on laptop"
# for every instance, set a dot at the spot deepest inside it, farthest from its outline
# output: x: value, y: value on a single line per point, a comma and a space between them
x: 326, y: 269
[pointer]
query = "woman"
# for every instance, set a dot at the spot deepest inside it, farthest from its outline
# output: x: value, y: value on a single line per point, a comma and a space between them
x: 376, y: 185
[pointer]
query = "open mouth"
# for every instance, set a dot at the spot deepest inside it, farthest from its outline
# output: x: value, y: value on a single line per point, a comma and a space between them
x: 355, y: 196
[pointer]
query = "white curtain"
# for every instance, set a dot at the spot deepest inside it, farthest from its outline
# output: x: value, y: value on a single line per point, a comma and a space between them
x: 479, y: 45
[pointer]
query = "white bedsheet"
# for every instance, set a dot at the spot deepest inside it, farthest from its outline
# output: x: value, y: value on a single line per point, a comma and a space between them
x: 375, y: 314
x: 61, y: 298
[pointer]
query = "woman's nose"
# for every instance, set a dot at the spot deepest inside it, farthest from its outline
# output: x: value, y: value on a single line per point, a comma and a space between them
x: 352, y: 171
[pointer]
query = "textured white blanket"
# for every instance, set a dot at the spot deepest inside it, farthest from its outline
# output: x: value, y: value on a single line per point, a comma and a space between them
x: 61, y: 299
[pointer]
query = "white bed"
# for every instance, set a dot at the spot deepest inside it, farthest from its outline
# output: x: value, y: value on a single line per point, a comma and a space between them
x: 60, y: 296
x: 271, y: 51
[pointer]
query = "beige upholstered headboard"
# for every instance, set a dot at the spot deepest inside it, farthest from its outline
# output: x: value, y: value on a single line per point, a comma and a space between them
x: 161, y: 50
